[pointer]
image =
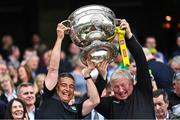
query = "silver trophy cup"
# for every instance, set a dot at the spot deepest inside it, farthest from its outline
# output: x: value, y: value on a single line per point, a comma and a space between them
x: 93, y: 29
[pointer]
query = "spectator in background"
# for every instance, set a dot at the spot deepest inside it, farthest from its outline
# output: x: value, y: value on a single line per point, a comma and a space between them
x: 44, y: 63
x: 13, y: 73
x: 65, y: 64
x: 26, y: 93
x: 162, y: 72
x: 161, y: 103
x: 14, y: 56
x: 38, y: 86
x: 73, y: 50
x: 7, y: 42
x: 150, y: 43
x: 29, y: 52
x: 16, y: 110
x: 175, y: 63
x: 24, y: 75
x: 3, y: 67
x: 33, y: 63
x: 177, y: 51
x: 38, y: 45
x: 7, y: 87
x: 174, y: 96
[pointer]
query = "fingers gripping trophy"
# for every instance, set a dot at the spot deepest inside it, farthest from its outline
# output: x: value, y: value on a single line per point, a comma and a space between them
x: 93, y: 29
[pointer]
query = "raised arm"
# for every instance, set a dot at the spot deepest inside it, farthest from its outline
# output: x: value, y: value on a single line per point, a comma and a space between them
x: 143, y: 77
x: 93, y: 100
x: 52, y: 75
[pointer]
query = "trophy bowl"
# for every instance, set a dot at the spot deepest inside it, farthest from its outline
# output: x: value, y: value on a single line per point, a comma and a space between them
x: 92, y: 30
x: 92, y: 22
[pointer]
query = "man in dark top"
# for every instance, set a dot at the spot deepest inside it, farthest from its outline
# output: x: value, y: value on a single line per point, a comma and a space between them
x: 162, y: 72
x: 128, y: 102
x: 58, y: 92
x: 174, y: 97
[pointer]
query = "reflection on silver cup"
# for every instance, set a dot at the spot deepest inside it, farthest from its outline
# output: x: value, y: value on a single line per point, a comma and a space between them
x: 92, y: 29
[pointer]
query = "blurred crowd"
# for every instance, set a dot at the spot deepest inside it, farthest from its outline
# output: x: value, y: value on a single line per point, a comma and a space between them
x: 22, y: 75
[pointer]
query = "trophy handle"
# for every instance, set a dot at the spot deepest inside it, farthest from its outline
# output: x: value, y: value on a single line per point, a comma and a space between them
x: 117, y: 21
x: 68, y: 24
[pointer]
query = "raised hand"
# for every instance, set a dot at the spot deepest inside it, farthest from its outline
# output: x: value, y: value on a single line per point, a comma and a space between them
x: 60, y: 30
x: 89, y: 68
x: 125, y: 25
x: 102, y: 68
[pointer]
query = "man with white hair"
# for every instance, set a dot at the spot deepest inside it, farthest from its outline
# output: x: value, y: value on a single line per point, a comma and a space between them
x: 129, y: 101
x: 175, y: 63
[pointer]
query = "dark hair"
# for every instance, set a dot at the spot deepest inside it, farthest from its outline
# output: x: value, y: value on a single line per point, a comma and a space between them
x: 66, y: 75
x: 62, y: 75
x: 9, y: 108
x: 159, y: 92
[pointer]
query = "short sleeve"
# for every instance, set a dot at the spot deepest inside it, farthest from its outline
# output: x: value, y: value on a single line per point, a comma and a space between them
x: 47, y: 93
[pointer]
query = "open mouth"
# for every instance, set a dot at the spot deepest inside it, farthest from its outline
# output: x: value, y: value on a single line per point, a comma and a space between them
x: 18, y: 113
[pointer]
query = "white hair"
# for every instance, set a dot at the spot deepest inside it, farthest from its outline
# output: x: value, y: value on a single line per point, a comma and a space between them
x: 176, y: 59
x: 121, y: 73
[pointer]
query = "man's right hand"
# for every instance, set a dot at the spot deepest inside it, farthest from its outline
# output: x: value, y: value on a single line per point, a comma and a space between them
x: 60, y: 30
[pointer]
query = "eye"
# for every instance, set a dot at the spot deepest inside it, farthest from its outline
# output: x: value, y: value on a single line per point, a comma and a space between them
x: 72, y: 86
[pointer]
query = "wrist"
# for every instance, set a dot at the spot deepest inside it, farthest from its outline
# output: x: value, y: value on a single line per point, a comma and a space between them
x: 129, y: 35
x: 88, y: 77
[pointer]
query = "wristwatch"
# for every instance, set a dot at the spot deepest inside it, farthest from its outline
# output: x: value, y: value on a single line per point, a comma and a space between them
x: 86, y: 78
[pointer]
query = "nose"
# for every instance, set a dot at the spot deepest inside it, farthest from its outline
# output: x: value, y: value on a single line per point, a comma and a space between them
x: 121, y: 89
x: 157, y: 107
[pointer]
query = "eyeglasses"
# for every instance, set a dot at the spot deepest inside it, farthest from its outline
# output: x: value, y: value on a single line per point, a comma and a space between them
x: 176, y: 76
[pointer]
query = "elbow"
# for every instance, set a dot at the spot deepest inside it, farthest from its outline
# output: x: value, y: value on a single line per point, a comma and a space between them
x: 96, y: 101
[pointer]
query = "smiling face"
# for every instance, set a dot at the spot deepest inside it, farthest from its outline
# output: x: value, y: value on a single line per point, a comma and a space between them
x: 65, y: 89
x: 17, y: 110
x: 27, y: 94
x: 122, y: 88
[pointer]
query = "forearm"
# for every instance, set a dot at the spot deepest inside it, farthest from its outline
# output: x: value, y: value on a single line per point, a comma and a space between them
x: 135, y: 49
x: 100, y: 84
x: 52, y: 75
x: 93, y: 99
x: 92, y: 92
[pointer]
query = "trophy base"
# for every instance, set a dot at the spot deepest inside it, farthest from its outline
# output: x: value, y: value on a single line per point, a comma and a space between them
x: 99, y: 51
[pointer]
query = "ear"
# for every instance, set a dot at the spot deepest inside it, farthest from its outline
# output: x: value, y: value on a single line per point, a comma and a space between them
x: 167, y: 103
x: 57, y: 88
